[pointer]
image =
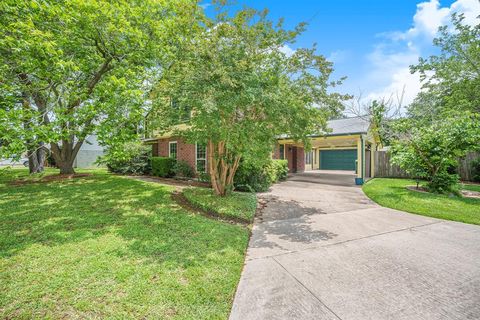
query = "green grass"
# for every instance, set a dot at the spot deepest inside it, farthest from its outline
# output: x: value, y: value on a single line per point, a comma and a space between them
x: 111, y: 247
x: 471, y: 187
x: 392, y: 193
x: 238, y: 205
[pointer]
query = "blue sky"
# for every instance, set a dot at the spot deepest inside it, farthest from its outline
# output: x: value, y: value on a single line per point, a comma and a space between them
x: 372, y: 42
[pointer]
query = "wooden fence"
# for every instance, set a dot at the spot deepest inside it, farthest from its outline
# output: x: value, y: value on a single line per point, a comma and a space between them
x: 384, y: 167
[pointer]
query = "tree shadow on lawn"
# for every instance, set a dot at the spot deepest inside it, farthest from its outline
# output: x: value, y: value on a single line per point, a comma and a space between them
x: 141, y: 213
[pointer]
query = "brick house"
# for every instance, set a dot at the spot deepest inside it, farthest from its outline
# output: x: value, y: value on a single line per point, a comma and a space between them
x: 194, y: 154
x: 348, y: 146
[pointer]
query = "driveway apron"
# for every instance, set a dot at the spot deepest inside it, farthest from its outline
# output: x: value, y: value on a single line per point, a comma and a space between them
x: 320, y: 249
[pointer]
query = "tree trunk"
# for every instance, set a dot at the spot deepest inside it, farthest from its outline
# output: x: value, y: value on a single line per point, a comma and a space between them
x: 222, y: 166
x: 36, y: 159
x: 66, y: 167
x: 65, y: 155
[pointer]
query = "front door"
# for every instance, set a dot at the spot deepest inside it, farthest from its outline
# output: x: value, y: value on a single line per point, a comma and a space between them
x: 294, y: 159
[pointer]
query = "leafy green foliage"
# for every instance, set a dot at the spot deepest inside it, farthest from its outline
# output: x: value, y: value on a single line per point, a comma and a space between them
x: 163, y: 166
x: 452, y: 78
x: 111, y: 247
x: 128, y: 158
x: 280, y: 169
x: 429, y: 150
x: 258, y: 178
x: 236, y: 205
x: 244, y: 91
x: 183, y: 169
x: 444, y: 182
x: 204, y: 177
x: 74, y: 67
x: 392, y: 193
x: 471, y: 187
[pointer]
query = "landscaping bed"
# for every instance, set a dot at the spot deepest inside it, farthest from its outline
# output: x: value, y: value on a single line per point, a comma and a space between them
x: 238, y: 206
x: 393, y: 193
x: 111, y: 247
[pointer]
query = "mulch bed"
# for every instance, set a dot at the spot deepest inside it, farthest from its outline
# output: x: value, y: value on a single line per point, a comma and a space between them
x: 50, y: 178
x: 470, y: 194
x: 174, y: 182
x: 464, y: 193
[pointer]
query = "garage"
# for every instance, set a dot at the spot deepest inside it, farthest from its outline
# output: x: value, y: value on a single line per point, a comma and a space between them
x: 338, y: 159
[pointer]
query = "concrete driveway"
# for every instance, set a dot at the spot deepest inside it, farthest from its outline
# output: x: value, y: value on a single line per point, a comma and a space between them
x: 325, y: 251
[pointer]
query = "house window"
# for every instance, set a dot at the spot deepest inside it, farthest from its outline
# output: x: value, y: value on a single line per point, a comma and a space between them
x: 282, y: 151
x: 172, y: 149
x: 308, y: 157
x: 200, y: 157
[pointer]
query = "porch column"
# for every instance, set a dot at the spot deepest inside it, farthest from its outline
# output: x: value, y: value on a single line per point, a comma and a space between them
x: 360, y: 157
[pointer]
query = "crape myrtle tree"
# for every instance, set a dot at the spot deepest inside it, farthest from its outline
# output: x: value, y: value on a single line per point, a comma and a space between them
x: 70, y: 68
x: 244, y: 90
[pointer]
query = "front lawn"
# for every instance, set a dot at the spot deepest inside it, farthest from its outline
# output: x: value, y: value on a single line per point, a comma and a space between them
x: 237, y: 206
x: 110, y: 247
x: 471, y: 187
x: 392, y: 193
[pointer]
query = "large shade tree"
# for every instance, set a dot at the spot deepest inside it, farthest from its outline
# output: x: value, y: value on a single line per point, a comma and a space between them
x: 451, y: 79
x: 244, y: 89
x: 443, y: 122
x: 70, y: 68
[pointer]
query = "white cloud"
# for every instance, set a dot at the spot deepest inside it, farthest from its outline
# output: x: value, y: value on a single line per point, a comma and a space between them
x: 390, y: 59
x: 338, y: 56
x: 205, y: 5
x: 287, y: 50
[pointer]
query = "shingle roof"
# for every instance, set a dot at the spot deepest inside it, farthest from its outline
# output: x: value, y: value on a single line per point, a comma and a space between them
x: 348, y: 126
x: 341, y: 127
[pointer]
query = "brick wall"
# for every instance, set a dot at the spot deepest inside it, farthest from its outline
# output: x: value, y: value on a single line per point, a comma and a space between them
x: 276, y: 151
x: 289, y: 150
x: 300, y: 159
x: 185, y: 151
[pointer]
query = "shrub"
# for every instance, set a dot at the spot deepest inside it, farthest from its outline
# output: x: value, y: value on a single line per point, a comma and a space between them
x: 183, y: 169
x: 204, y: 177
x: 281, y: 170
x: 163, y: 166
x: 476, y: 170
x: 128, y: 158
x: 431, y: 150
x: 444, y: 182
x: 258, y: 178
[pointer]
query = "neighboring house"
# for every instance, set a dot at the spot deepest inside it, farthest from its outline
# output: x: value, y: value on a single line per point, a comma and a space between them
x: 347, y: 147
x: 88, y: 153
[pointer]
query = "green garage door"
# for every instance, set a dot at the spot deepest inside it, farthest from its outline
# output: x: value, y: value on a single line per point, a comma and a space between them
x: 338, y: 159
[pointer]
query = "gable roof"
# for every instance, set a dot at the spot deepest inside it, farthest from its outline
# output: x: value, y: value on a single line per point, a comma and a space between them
x: 348, y: 126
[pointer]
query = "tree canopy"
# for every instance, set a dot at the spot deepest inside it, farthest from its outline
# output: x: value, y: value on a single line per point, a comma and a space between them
x: 74, y: 67
x: 244, y: 90
x: 443, y: 122
x: 451, y: 80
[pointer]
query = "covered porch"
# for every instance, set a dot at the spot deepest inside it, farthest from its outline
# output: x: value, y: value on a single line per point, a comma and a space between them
x: 349, y: 154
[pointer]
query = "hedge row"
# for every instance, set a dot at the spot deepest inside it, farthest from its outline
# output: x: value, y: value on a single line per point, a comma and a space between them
x: 163, y: 166
x: 256, y: 178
